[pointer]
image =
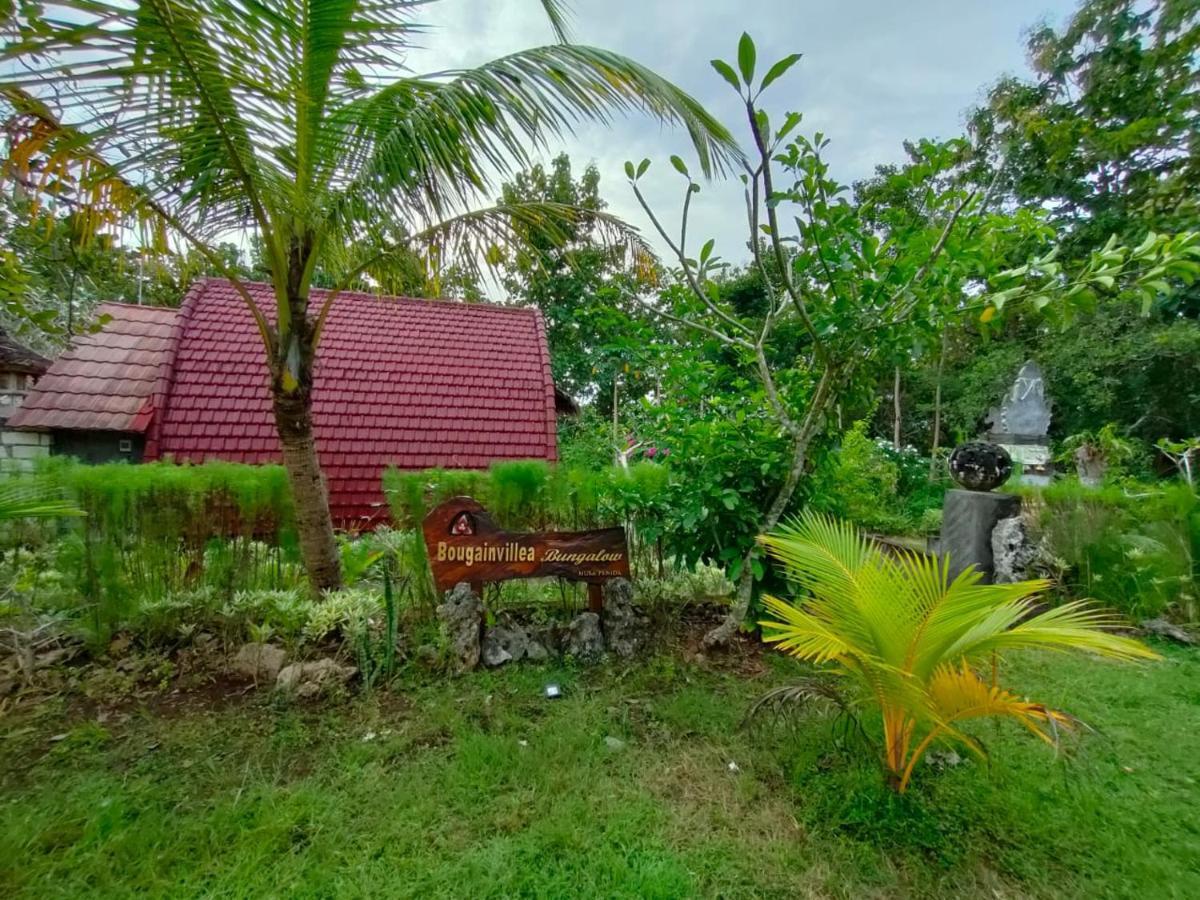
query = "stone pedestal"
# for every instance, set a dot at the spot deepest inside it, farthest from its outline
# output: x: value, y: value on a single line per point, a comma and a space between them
x: 968, y: 518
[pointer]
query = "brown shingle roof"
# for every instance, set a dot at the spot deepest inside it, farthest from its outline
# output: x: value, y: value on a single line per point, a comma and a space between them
x: 15, y: 357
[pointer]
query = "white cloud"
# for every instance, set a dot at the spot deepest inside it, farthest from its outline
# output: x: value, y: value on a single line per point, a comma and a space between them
x: 874, y: 73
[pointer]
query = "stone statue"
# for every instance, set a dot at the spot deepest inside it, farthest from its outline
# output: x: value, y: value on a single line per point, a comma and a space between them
x: 1021, y: 425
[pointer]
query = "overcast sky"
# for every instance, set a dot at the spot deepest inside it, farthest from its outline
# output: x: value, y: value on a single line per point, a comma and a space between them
x: 874, y: 73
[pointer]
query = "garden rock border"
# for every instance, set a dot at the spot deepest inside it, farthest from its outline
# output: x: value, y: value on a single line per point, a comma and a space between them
x: 620, y: 629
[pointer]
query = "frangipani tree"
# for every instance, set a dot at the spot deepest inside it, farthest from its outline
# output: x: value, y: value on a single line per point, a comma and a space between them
x: 297, y: 121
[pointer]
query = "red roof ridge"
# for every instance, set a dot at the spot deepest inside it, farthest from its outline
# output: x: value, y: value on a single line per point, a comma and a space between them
x: 370, y: 295
x: 161, y: 395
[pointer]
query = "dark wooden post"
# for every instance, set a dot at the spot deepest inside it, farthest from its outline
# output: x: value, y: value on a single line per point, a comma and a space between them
x: 595, y: 597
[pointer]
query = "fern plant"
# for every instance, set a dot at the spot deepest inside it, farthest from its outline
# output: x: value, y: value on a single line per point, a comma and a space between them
x: 914, y: 645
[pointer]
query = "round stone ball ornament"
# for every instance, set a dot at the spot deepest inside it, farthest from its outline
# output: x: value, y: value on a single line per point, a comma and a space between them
x: 980, y: 466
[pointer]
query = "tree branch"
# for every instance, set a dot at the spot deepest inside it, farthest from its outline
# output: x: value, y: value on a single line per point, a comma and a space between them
x: 700, y: 293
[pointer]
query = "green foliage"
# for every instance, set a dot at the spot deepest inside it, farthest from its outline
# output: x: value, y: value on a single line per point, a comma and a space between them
x: 726, y: 461
x: 249, y: 615
x: 1133, y: 547
x: 875, y: 485
x: 664, y: 598
x: 601, y: 342
x: 159, y: 534
x: 374, y: 640
x: 586, y: 441
x: 1120, y: 456
x: 343, y: 613
x: 1098, y: 138
x: 57, y: 269
x: 528, y: 495
x: 858, y: 482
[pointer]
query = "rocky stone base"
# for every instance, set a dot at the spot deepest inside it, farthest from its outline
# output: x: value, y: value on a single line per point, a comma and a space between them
x: 620, y: 630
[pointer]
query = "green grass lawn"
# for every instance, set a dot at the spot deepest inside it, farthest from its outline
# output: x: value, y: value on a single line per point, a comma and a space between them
x: 479, y: 787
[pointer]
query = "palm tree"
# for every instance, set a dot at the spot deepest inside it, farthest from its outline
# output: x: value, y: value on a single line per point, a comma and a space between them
x: 911, y: 643
x: 297, y: 121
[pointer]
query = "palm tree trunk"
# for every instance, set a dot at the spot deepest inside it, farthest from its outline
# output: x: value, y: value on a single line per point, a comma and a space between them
x: 314, y: 524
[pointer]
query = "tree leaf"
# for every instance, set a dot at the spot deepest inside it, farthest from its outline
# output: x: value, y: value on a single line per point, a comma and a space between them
x: 725, y: 70
x: 777, y: 70
x: 746, y: 56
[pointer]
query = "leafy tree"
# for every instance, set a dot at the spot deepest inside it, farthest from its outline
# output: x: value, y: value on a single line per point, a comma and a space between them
x: 297, y: 120
x: 61, y: 270
x: 913, y: 645
x: 859, y: 292
x: 1102, y: 142
x: 602, y: 346
x: 1106, y: 136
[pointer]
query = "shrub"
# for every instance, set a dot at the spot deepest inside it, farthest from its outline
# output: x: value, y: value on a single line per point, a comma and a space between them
x: 341, y: 613
x: 247, y: 615
x: 666, y: 596
x: 1131, y: 546
x: 876, y: 485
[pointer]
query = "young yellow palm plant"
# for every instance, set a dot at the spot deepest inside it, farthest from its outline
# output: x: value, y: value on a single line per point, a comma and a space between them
x: 913, y: 643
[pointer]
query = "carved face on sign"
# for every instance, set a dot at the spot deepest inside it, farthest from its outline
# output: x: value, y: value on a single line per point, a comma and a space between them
x: 463, y: 523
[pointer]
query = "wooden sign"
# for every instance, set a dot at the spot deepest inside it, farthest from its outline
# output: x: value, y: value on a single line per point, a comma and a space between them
x: 465, y: 545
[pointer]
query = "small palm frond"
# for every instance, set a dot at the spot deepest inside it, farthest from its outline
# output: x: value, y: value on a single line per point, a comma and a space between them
x: 1077, y: 625
x: 25, y: 502
x: 821, y: 553
x: 818, y: 694
x: 959, y: 694
x: 802, y: 634
x: 853, y: 585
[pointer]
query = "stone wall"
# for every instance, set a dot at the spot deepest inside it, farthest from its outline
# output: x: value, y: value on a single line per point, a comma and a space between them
x: 19, y: 448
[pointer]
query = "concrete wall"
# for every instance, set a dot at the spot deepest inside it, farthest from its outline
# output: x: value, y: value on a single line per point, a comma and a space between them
x: 19, y: 448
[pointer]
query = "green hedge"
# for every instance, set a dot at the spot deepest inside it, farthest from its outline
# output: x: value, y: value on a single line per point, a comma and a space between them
x: 157, y: 530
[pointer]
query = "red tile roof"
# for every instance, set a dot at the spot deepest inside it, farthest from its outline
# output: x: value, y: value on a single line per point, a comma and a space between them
x: 410, y: 383
x: 103, y: 382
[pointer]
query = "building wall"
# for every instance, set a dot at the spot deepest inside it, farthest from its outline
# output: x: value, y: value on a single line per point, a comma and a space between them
x: 18, y: 449
x: 99, y: 446
x: 13, y: 388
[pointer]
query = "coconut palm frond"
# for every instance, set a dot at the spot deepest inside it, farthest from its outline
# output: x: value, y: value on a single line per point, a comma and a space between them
x: 816, y: 694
